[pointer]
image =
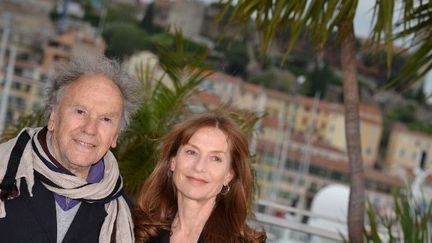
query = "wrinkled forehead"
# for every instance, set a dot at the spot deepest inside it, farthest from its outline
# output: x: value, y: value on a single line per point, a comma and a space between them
x: 97, y: 92
x: 88, y: 84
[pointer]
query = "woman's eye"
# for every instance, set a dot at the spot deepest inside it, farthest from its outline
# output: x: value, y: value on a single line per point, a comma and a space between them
x: 216, y: 158
x: 190, y: 152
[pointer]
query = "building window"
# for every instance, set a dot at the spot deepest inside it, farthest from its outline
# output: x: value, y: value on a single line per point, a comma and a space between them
x: 301, y: 182
x: 27, y: 73
x: 414, y: 156
x: 20, y: 102
x: 313, y: 188
x: 269, y: 176
x: 423, y: 160
x: 9, y: 116
x: 41, y: 91
x: 402, y: 152
x: 337, y: 176
x: 290, y: 164
x: 369, y: 151
x: 314, y: 170
x: 207, y: 85
x: 322, y: 126
x: 289, y: 179
x: 16, y: 85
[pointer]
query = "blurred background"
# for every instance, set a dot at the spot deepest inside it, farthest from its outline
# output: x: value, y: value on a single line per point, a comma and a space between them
x: 192, y: 56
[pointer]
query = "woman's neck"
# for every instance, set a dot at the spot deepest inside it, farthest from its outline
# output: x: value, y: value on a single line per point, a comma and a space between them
x: 190, y: 219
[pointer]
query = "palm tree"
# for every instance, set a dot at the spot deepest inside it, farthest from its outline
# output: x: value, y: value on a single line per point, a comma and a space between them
x: 320, y: 18
x: 165, y: 103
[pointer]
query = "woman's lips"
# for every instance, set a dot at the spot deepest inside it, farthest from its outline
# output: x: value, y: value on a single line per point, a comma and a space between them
x: 197, y: 179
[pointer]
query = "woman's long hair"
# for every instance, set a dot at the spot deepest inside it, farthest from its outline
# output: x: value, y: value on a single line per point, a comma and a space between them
x: 157, y: 201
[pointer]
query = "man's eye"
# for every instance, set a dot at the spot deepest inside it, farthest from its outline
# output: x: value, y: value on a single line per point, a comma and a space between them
x: 79, y: 111
x: 106, y: 119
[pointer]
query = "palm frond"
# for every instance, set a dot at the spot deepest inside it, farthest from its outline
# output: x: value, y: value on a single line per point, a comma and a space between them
x: 416, y: 24
x: 162, y: 107
x: 382, y: 29
x: 318, y: 18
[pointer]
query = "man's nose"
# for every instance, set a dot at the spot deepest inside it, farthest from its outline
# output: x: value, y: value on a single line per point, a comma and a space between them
x: 90, y: 126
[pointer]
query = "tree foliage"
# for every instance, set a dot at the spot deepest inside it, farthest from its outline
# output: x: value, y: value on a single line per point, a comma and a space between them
x: 236, y: 56
x: 321, y: 19
x: 274, y: 78
x: 416, y: 24
x: 164, y: 105
x: 124, y: 39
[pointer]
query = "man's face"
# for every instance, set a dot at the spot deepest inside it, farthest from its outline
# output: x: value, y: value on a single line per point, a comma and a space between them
x: 85, y: 123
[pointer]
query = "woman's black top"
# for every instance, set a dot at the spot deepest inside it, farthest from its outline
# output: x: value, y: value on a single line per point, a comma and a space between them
x: 164, y: 237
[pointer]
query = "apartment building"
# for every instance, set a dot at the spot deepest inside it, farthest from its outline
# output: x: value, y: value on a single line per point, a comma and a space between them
x: 26, y: 90
x: 75, y: 41
x: 293, y: 160
x: 36, y: 53
x: 408, y: 151
x: 321, y: 121
x: 301, y: 146
x: 330, y: 125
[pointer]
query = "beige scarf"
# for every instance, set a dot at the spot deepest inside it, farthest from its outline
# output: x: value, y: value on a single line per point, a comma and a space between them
x: 119, y: 216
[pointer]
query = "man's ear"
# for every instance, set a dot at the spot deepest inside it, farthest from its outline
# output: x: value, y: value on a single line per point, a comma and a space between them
x: 114, y: 142
x: 52, y: 120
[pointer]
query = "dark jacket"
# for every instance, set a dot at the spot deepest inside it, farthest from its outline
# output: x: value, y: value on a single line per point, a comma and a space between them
x: 164, y: 236
x: 33, y: 219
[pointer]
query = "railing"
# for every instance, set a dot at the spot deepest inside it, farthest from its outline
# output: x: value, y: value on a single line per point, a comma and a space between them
x: 291, y: 225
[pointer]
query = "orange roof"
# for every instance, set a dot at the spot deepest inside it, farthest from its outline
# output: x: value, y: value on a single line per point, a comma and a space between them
x: 207, y: 97
x: 21, y: 63
x: 219, y: 76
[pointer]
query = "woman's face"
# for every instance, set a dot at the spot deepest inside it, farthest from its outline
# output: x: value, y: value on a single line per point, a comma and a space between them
x: 203, y: 165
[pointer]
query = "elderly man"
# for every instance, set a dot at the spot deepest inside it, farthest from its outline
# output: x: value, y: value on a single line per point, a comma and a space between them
x: 60, y: 183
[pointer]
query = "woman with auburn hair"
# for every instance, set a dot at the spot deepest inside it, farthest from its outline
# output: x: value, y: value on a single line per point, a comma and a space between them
x: 201, y: 188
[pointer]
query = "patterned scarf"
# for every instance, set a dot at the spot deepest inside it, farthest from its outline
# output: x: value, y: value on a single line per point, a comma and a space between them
x: 118, y: 225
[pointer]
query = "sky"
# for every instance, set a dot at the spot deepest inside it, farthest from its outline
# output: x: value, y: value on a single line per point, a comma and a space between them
x: 363, y: 18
